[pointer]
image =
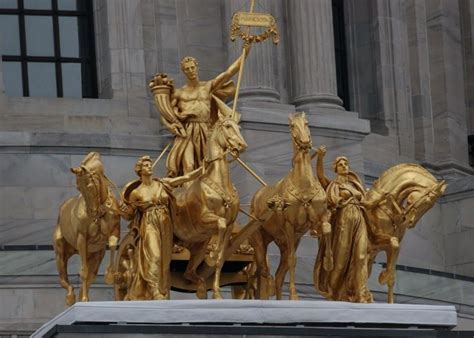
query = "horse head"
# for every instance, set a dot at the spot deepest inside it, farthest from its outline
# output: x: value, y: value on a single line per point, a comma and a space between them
x: 90, y: 183
x: 410, y: 190
x: 418, y: 202
x: 227, y: 136
x: 300, y: 132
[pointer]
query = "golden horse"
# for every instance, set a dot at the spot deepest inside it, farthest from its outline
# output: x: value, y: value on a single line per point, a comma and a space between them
x: 210, y: 204
x: 400, y: 197
x: 86, y: 224
x: 299, y: 204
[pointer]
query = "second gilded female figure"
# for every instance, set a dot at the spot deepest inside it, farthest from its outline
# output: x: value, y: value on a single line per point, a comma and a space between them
x: 347, y: 280
x: 147, y: 203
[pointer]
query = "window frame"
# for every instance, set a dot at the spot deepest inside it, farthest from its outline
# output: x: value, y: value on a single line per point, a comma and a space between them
x: 87, y: 60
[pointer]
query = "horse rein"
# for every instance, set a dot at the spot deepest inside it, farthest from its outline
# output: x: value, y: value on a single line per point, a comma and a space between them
x: 401, y: 212
x: 228, y: 145
x: 102, y: 207
x: 297, y: 141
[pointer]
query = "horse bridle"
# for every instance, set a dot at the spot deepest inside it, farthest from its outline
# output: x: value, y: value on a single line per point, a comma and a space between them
x: 297, y: 142
x: 228, y: 146
x: 402, y: 212
x: 102, y: 207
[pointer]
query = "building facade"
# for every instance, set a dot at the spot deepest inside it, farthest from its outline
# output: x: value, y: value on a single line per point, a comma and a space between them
x: 381, y: 81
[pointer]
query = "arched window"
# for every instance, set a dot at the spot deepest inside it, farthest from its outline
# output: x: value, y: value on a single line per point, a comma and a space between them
x: 48, y: 48
x: 341, y: 53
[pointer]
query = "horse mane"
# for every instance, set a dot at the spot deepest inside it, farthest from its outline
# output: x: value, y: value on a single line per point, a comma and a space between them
x: 93, y: 162
x: 407, y: 167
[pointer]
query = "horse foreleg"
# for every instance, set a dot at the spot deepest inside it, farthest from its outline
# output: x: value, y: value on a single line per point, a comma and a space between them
x: 84, y: 270
x: 62, y: 257
x: 221, y: 225
x: 263, y: 272
x: 93, y: 261
x: 197, y: 253
x: 216, y: 293
x: 291, y: 244
x: 281, y: 270
x: 388, y: 275
x: 113, y: 242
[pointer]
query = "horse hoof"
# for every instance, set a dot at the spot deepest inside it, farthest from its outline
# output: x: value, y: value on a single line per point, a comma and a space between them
x: 293, y: 294
x: 210, y: 261
x: 216, y: 295
x: 328, y: 264
x: 386, y: 277
x: 201, y: 291
x: 109, y: 277
x: 294, y: 297
x: 84, y: 299
x: 70, y: 299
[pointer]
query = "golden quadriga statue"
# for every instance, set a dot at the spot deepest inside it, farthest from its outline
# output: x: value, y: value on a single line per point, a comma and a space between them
x: 193, y: 211
x: 364, y: 223
x: 190, y: 112
x: 86, y: 224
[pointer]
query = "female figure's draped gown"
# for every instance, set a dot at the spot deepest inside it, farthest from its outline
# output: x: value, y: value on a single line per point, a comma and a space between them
x: 347, y: 281
x: 155, y: 245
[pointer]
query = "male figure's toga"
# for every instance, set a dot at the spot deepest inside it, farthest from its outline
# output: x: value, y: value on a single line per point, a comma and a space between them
x: 195, y: 112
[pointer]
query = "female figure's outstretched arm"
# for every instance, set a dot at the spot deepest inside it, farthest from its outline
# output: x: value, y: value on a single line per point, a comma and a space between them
x: 321, y: 152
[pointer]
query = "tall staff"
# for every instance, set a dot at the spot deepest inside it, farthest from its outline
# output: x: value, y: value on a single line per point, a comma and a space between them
x: 250, y: 19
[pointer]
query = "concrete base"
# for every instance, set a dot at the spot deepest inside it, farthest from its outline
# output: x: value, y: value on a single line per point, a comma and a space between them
x: 249, y: 312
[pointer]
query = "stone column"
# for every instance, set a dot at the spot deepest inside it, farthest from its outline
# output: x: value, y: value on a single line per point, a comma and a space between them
x: 3, y: 97
x: 467, y: 30
x: 127, y: 65
x: 379, y: 61
x: 312, y: 59
x: 447, y: 88
x: 420, y: 80
x: 259, y: 81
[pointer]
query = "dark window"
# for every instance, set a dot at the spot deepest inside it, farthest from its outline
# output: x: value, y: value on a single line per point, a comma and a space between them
x: 47, y: 48
x: 341, y: 53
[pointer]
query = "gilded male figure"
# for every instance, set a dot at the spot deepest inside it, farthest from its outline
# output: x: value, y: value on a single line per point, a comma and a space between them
x: 195, y: 111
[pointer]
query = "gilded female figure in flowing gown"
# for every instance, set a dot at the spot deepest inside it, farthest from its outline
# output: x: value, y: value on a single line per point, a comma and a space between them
x: 347, y: 280
x: 147, y: 203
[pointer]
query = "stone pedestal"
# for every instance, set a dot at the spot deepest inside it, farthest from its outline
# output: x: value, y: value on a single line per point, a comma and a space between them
x: 242, y: 317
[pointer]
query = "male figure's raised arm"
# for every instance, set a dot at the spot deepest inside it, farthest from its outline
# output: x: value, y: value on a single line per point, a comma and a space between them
x: 225, y: 76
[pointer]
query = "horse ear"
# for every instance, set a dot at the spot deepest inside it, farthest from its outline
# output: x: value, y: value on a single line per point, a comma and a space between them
x: 220, y: 116
x: 291, y: 116
x: 76, y: 170
x: 223, y: 110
